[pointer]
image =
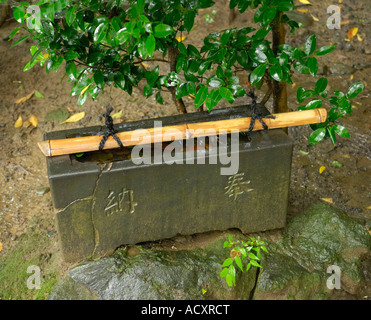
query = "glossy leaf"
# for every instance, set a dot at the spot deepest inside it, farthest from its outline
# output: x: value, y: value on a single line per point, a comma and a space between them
x: 325, y: 50
x: 321, y: 85
x: 354, y: 90
x: 310, y: 45
x: 341, y: 131
x: 257, y: 74
x: 317, y: 136
x: 201, y: 96
x: 163, y: 30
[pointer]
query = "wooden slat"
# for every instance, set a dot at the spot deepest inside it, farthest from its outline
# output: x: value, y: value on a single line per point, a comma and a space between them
x: 179, y: 132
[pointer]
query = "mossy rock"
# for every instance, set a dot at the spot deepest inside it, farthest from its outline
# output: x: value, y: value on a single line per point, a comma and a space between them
x: 155, y: 275
x: 296, y: 266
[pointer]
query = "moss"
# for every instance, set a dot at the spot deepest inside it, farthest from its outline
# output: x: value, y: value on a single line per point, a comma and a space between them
x: 31, y: 250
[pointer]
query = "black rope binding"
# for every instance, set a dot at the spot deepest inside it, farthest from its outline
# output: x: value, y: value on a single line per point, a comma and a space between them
x: 256, y: 114
x: 110, y: 130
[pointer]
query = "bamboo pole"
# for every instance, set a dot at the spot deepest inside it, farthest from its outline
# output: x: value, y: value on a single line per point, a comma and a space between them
x: 179, y: 132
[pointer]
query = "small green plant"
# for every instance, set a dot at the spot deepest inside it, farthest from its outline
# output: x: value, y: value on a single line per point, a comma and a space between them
x: 242, y: 251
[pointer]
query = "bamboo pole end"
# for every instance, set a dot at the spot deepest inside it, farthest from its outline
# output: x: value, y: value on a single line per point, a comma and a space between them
x: 45, y: 148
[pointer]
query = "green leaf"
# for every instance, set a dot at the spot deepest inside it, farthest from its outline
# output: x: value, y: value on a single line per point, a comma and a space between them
x: 215, y: 82
x: 227, y: 262
x: 189, y: 20
x: 20, y: 40
x: 268, y: 15
x: 310, y: 45
x: 98, y: 77
x: 316, y: 103
x: 150, y: 45
x: 71, y: 70
x: 324, y: 50
x: 226, y: 94
x: 255, y: 264
x: 321, y: 85
x: 163, y: 30
x: 159, y: 98
x: 275, y: 71
x: 317, y: 136
x: 248, y: 266
x: 212, y: 99
x: 341, y: 131
x: 71, y: 15
x: 313, y: 66
x: 201, y: 96
x: 331, y: 132
x: 13, y: 33
x: 38, y: 94
x: 193, y: 52
x: 257, y: 74
x: 100, y: 32
x: 238, y: 261
x: 302, y: 94
x: 354, y: 90
x: 224, y: 272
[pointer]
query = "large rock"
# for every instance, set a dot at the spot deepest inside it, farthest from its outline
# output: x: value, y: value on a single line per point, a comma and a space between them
x: 154, y: 275
x: 295, y: 267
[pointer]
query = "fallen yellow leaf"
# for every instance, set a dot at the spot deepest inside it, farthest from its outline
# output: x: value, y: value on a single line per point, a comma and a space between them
x: 352, y: 33
x: 359, y: 38
x: 46, y: 55
x: 117, y: 115
x: 340, y: 1
x: 75, y: 117
x: 368, y: 208
x: 321, y: 169
x: 19, y: 122
x: 328, y: 200
x: 181, y: 39
x: 24, y: 99
x: 343, y: 23
x: 302, y: 10
x: 33, y: 120
x: 314, y: 18
x: 304, y: 1
x: 1, y: 246
x: 145, y: 65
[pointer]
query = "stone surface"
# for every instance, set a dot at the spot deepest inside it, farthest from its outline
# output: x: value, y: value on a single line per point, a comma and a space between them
x: 154, y: 275
x: 101, y: 206
x: 294, y: 268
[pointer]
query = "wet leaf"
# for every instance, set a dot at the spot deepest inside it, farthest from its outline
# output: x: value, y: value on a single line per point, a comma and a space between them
x: 328, y: 200
x: 336, y: 164
x: 57, y: 115
x: 25, y: 98
x: 352, y: 33
x: 117, y: 115
x: 180, y: 39
x: 75, y: 117
x: 38, y: 94
x: 19, y: 122
x: 33, y: 120
x: 314, y: 18
x: 321, y: 169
